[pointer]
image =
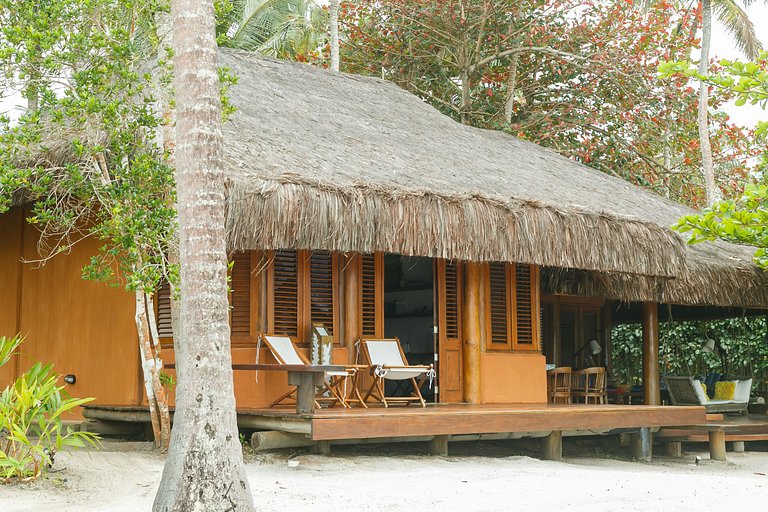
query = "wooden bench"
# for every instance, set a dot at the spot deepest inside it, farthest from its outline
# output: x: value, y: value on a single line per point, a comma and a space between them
x: 716, y: 433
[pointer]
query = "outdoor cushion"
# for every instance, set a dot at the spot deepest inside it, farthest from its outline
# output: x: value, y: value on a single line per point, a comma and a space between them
x: 698, y: 387
x: 724, y: 390
x: 743, y: 388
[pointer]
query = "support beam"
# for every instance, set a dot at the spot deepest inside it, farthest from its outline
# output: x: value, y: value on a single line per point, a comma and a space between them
x: 552, y: 448
x: 472, y: 332
x: 642, y: 445
x: 275, y: 440
x: 439, y: 446
x: 652, y: 391
x: 738, y: 446
x: 717, y: 444
x: 352, y: 296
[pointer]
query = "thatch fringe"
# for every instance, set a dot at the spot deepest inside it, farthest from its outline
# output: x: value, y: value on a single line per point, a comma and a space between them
x: 696, y: 285
x: 295, y: 213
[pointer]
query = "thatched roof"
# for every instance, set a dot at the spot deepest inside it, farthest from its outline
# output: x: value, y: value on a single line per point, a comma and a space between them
x: 351, y: 163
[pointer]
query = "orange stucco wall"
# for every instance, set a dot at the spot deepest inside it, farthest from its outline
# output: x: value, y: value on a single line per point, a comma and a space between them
x: 82, y: 327
x: 513, y: 378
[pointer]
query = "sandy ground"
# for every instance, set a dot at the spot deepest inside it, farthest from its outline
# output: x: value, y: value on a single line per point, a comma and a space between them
x: 124, y: 477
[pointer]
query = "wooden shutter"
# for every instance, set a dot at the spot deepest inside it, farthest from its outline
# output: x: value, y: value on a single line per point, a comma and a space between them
x: 525, y: 311
x: 163, y: 316
x: 499, y: 307
x: 284, y: 306
x: 452, y: 316
x: 240, y: 296
x: 372, y: 303
x: 323, y: 280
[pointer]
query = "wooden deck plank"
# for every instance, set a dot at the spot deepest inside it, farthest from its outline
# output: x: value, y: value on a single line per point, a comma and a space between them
x: 403, y: 422
x: 454, y: 419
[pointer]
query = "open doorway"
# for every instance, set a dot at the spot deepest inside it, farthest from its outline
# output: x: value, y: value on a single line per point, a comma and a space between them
x: 409, y: 308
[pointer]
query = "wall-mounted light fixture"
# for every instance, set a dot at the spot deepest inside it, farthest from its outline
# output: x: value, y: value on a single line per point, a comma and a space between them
x: 70, y: 378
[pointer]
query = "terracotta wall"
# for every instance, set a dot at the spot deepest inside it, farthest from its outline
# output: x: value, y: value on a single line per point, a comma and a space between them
x: 85, y: 328
x: 513, y: 378
x: 10, y: 254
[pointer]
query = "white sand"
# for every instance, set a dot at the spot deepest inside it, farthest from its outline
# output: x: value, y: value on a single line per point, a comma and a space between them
x: 127, y: 481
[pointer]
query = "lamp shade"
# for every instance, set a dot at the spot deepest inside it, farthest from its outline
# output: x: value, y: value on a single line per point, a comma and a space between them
x: 595, y: 347
x: 708, y: 345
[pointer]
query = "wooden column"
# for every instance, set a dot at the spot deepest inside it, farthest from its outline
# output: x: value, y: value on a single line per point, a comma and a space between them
x: 553, y: 446
x: 652, y: 393
x: 717, y: 444
x: 352, y: 297
x: 439, y: 446
x: 642, y: 445
x: 558, y: 348
x: 472, y: 332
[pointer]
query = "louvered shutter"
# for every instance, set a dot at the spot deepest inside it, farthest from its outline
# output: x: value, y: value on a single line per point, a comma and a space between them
x: 452, y: 317
x: 372, y: 295
x: 323, y: 283
x: 284, y: 314
x: 240, y: 297
x: 163, y: 317
x: 499, y: 306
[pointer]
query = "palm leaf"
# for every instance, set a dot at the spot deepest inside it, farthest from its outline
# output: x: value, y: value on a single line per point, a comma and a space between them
x: 736, y: 21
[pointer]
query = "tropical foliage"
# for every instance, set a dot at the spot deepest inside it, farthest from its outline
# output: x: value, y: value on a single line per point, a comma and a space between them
x: 580, y: 77
x: 286, y: 29
x: 31, y: 428
x: 743, y: 339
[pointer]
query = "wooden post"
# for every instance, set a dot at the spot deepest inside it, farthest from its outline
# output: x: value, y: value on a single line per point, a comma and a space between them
x: 553, y: 446
x: 305, y: 383
x: 438, y: 446
x: 352, y: 296
x: 607, y: 326
x: 675, y: 449
x: 558, y: 349
x: 652, y: 392
x: 472, y: 332
x: 320, y: 448
x: 738, y: 446
x: 642, y: 445
x: 717, y: 444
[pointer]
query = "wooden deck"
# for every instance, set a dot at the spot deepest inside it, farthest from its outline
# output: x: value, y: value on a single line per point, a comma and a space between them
x: 445, y: 420
x: 736, y: 428
x: 441, y: 420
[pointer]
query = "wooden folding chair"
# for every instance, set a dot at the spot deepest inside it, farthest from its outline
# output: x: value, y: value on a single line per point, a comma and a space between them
x: 387, y: 361
x: 334, y: 389
x: 589, y: 384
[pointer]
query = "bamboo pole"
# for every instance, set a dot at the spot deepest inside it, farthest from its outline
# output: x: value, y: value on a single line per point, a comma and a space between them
x: 471, y: 347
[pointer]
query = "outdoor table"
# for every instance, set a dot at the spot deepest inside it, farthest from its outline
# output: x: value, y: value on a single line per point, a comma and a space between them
x: 304, y: 377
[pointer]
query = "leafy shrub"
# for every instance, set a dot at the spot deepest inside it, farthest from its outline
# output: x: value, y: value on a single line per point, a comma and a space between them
x: 31, y: 429
x: 744, y: 339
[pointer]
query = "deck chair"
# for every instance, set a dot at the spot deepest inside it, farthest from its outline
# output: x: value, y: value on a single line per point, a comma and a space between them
x: 388, y: 362
x: 333, y: 390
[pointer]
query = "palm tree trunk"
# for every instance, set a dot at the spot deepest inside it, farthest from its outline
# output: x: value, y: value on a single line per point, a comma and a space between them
x: 707, y: 166
x: 333, y: 16
x: 204, y: 469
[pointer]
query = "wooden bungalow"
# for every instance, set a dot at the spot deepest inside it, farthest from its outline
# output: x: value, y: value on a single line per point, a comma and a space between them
x: 354, y: 204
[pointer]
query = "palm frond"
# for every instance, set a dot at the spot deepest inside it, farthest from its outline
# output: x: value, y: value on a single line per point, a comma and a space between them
x: 736, y: 21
